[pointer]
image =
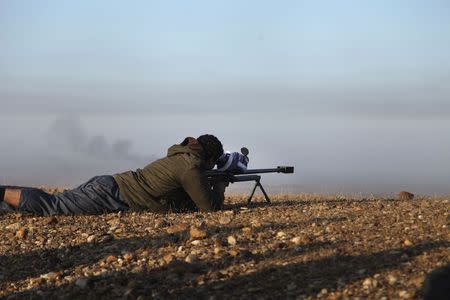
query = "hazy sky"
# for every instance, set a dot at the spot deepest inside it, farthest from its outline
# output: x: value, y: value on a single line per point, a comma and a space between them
x: 354, y: 94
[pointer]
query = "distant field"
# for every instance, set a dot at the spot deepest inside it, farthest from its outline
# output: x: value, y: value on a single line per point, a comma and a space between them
x: 302, y: 246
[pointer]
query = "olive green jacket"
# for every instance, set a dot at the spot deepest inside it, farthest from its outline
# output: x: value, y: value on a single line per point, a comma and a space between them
x: 182, y: 170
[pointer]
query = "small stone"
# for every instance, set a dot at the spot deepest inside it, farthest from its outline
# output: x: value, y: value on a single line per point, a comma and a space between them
x: 21, y: 233
x: 104, y: 238
x: 418, y: 281
x: 191, y: 259
x: 217, y: 250
x: 196, y: 242
x: 13, y: 227
x: 197, y: 233
x: 82, y: 282
x: 91, y: 238
x: 281, y: 234
x: 392, y: 279
x: 296, y: 240
x: 367, y: 283
x: 407, y: 243
x: 52, y: 276
x: 50, y: 221
x: 233, y: 253
x: 247, y: 230
x: 229, y: 212
x: 168, y: 258
x: 177, y: 228
x: 110, y: 259
x: 231, y: 240
x: 128, y: 256
x: 404, y: 294
x: 224, y: 220
x: 160, y: 223
x: 323, y: 292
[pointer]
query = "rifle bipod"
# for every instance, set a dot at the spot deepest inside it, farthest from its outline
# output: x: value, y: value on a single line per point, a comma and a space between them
x: 257, y: 179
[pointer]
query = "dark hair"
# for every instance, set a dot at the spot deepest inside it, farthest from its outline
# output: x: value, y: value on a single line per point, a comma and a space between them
x: 211, y: 145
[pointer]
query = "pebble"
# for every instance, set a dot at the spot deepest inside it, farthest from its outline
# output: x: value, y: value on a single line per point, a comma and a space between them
x: 323, y: 292
x: 160, y: 223
x: 281, y: 234
x: 168, y: 258
x: 177, y: 228
x: 247, y: 230
x: 91, y: 238
x: 13, y: 227
x: 196, y: 242
x: 110, y: 259
x: 392, y: 279
x: 407, y: 243
x: 191, y: 258
x: 82, y: 282
x: 21, y: 233
x: 404, y: 294
x: 52, y: 276
x: 233, y: 253
x: 367, y: 283
x: 105, y: 238
x: 197, y: 233
x: 231, y: 240
x: 217, y: 250
x: 128, y: 256
x: 224, y: 220
x: 296, y: 240
x: 51, y: 221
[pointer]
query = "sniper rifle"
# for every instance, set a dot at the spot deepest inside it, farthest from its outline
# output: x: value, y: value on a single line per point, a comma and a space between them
x: 247, y: 175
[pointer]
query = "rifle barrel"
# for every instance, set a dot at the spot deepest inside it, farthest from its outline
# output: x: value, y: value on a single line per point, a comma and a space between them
x: 279, y: 169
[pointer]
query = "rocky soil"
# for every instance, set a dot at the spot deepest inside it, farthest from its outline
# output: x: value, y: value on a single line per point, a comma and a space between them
x: 299, y: 247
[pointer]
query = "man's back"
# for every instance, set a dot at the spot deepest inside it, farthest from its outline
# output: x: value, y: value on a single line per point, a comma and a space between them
x: 143, y: 188
x: 182, y: 168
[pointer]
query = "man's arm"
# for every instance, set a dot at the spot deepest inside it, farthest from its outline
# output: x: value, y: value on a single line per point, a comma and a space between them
x: 195, y: 183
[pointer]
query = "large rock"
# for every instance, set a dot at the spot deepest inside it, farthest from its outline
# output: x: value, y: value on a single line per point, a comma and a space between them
x: 404, y: 195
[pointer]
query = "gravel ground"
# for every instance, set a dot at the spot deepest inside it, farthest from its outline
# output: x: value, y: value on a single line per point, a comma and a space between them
x: 299, y: 247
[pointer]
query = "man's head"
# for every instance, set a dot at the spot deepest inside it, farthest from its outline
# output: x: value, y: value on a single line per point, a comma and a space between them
x: 213, y: 148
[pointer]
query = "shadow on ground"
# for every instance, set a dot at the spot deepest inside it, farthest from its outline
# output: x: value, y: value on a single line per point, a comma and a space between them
x: 288, y: 203
x: 179, y: 279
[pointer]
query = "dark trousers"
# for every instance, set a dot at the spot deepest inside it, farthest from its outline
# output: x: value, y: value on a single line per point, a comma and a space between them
x: 99, y: 195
